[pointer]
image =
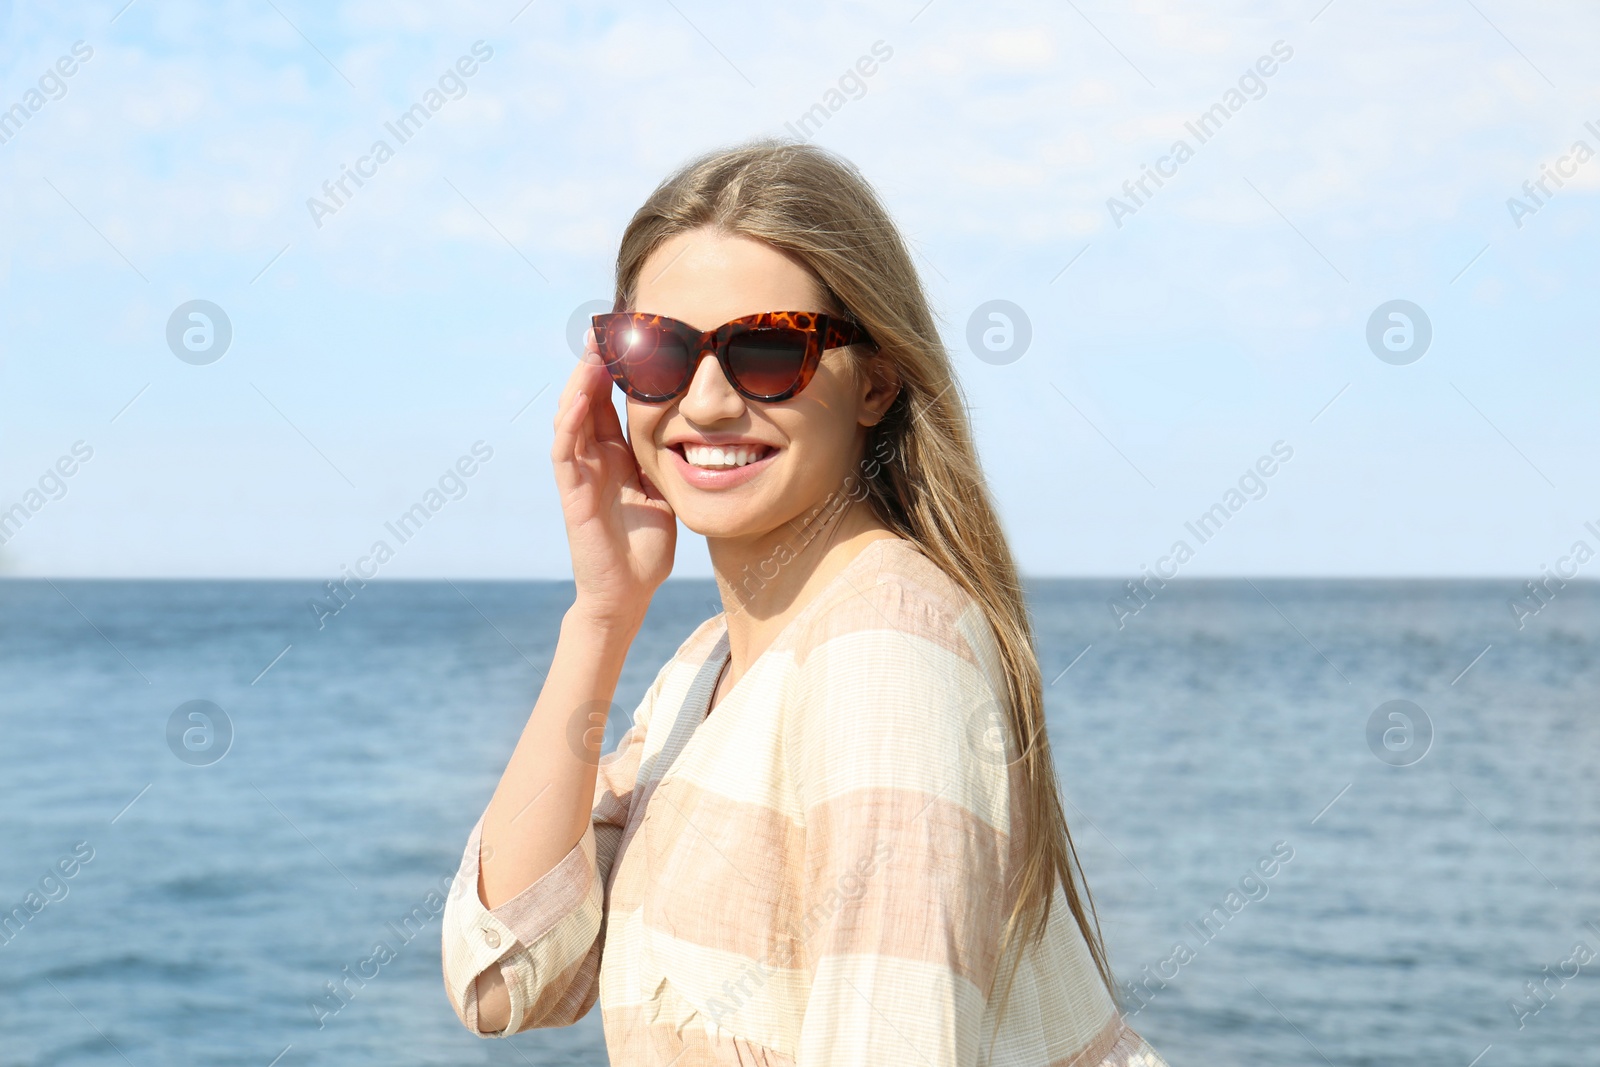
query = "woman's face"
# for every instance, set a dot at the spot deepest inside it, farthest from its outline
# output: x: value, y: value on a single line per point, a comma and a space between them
x: 804, y: 447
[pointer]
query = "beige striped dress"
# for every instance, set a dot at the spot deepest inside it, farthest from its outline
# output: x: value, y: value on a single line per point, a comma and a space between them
x: 814, y: 875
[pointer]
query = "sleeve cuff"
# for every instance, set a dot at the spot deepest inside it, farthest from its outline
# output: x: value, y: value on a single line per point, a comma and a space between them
x: 477, y: 938
x: 560, y: 891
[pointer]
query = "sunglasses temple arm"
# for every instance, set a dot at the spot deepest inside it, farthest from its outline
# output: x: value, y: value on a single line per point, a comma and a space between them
x: 843, y: 332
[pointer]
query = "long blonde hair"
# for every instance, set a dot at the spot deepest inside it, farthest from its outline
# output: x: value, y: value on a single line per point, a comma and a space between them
x: 811, y: 203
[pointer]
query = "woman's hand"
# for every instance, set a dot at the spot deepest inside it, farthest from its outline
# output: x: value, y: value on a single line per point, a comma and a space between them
x: 620, y: 530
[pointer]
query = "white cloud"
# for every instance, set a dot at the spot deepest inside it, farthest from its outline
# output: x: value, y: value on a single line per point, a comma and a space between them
x: 1389, y: 142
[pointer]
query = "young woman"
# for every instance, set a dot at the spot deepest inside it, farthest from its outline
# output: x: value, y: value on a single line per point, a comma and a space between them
x: 832, y: 834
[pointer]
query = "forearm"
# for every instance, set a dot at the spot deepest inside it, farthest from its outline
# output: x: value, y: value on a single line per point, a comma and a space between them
x: 544, y: 800
x: 494, y: 1001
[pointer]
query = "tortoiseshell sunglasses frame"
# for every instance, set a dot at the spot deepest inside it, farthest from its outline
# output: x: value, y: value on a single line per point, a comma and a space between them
x: 821, y: 331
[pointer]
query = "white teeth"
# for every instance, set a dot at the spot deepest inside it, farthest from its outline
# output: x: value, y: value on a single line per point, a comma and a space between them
x: 713, y: 458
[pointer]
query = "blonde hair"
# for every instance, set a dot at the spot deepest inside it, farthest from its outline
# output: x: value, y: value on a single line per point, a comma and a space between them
x: 811, y: 203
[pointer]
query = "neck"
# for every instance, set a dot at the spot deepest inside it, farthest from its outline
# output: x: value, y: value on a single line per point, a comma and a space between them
x: 766, y: 580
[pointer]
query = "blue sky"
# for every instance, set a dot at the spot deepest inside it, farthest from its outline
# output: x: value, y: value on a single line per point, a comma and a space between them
x: 1171, y: 347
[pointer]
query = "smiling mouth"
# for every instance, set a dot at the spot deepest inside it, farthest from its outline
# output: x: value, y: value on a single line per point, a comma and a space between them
x: 721, y: 458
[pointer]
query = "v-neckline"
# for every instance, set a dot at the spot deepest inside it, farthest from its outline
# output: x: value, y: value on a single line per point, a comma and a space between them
x: 725, y: 659
x: 711, y: 701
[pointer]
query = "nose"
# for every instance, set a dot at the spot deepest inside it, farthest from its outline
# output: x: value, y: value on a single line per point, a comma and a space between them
x: 710, y: 396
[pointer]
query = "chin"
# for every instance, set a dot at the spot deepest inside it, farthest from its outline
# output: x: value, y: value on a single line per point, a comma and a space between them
x: 712, y: 521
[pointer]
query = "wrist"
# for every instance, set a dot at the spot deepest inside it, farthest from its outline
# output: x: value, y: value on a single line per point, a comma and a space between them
x: 607, y: 625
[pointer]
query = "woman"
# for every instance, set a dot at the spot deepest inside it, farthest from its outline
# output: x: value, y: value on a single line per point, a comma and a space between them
x: 832, y: 835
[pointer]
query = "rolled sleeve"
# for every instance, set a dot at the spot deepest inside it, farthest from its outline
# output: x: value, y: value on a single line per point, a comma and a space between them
x: 536, y: 937
x: 547, y: 939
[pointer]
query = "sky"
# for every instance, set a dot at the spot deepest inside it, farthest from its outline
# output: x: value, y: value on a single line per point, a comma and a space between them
x: 1179, y: 337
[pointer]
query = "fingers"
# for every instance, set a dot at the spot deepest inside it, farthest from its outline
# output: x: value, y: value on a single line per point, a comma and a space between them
x: 584, y: 414
x: 591, y: 348
x: 607, y: 427
x: 585, y: 377
x: 574, y: 436
x: 570, y: 430
x: 575, y: 380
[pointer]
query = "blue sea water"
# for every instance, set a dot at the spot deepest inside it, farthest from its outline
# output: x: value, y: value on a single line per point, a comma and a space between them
x: 1225, y: 724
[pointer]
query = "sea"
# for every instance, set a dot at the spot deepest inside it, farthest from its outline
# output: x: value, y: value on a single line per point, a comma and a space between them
x: 1324, y: 822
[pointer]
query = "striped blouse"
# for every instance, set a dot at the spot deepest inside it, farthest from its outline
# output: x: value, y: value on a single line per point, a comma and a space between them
x: 816, y: 874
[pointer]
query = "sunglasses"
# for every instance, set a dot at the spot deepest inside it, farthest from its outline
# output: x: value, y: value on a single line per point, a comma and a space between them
x: 766, y: 357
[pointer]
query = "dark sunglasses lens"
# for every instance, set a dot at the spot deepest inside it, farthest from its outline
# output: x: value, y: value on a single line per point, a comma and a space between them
x: 652, y: 359
x: 767, y: 362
